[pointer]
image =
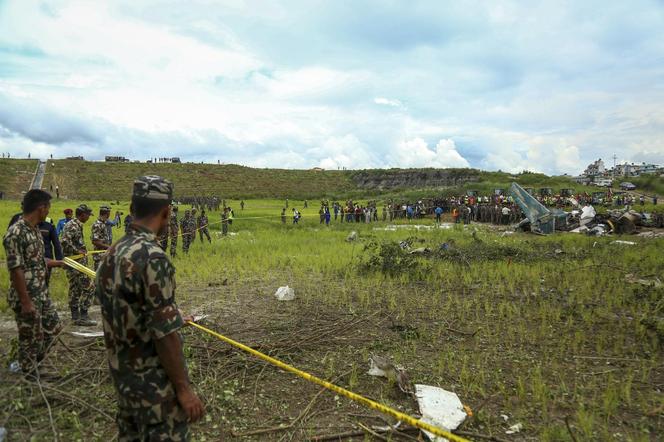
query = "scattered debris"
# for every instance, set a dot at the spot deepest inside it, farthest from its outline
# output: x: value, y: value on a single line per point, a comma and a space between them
x: 651, y: 234
x: 352, y: 236
x: 94, y: 334
x: 516, y: 428
x: 588, y: 214
x: 199, y: 318
x: 439, y: 407
x: 633, y: 279
x: 285, y: 294
x: 420, y: 251
x: 383, y: 367
x: 626, y: 243
x: 15, y: 367
x: 505, y: 417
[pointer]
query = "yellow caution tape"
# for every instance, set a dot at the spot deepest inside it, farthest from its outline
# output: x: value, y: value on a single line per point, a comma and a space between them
x: 79, y: 256
x: 80, y: 267
x: 342, y: 391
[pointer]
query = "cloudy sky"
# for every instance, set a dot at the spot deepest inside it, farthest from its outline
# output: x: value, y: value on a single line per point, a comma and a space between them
x: 545, y: 86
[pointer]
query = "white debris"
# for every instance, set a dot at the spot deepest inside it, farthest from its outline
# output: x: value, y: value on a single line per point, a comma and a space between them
x: 94, y: 334
x: 515, y: 428
x: 588, y: 213
x: 285, y: 294
x: 198, y: 318
x: 352, y: 236
x: 505, y: 417
x: 626, y: 243
x: 15, y: 367
x: 439, y: 407
x: 580, y: 229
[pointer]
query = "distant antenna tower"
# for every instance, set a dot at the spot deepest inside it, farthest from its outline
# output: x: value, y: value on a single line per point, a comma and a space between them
x: 614, y: 164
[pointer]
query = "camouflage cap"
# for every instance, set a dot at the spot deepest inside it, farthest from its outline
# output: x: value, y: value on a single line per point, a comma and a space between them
x: 153, y: 187
x: 83, y: 208
x: 104, y: 209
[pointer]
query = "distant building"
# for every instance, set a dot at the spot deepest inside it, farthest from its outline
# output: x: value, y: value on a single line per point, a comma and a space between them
x: 317, y: 169
x: 595, y: 168
x: 75, y: 158
x: 114, y: 159
x: 176, y: 160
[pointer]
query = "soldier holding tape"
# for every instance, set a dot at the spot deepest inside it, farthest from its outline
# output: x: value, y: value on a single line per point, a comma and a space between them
x: 81, y: 286
x: 136, y: 289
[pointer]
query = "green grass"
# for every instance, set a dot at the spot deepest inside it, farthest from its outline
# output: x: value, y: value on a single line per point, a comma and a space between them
x: 93, y: 180
x: 16, y: 176
x: 560, y: 333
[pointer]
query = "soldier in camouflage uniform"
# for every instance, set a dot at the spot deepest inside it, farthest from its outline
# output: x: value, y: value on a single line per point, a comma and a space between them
x: 136, y: 289
x: 81, y: 287
x: 186, y: 227
x: 174, y: 230
x: 36, y: 318
x: 202, y: 223
x: 100, y: 238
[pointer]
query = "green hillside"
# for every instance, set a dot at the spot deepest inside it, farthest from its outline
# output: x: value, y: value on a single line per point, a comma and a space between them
x: 85, y: 180
x: 16, y: 176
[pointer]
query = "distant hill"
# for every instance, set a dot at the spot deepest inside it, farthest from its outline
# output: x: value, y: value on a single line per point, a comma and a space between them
x: 16, y: 176
x: 79, y: 179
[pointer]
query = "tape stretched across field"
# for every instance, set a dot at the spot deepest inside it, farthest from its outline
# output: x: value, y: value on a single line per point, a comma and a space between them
x: 307, y: 376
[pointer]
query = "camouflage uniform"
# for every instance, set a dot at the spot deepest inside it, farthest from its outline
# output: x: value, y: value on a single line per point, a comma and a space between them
x: 174, y: 230
x: 136, y: 289
x: 24, y: 248
x: 187, y: 231
x: 99, y: 233
x: 81, y: 287
x: 203, y: 227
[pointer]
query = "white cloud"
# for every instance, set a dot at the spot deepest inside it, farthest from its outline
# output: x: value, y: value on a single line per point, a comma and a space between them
x: 387, y: 102
x: 416, y: 153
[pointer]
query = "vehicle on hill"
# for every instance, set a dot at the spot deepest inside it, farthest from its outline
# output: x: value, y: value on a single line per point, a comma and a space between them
x: 604, y: 182
x: 627, y: 186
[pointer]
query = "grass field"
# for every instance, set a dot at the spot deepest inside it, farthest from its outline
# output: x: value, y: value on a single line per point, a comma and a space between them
x: 16, y: 176
x: 92, y: 180
x: 543, y: 330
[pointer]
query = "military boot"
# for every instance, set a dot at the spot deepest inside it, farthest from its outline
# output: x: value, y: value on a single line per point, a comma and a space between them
x: 74, y: 314
x: 84, y: 320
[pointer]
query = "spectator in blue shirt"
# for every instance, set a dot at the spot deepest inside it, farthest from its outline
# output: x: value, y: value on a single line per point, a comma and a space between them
x: 61, y: 223
x: 439, y: 213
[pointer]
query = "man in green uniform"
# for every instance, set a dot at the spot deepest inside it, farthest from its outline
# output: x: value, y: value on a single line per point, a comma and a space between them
x: 202, y: 223
x: 36, y: 318
x: 81, y: 287
x: 174, y: 231
x: 188, y: 228
x: 136, y: 289
x: 100, y: 237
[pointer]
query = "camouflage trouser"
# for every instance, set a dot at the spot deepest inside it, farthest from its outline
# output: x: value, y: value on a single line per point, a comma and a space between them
x: 204, y: 231
x: 162, y: 422
x: 81, y: 289
x: 36, y: 333
x: 174, y: 245
x: 186, y: 242
x: 96, y: 259
x: 163, y: 242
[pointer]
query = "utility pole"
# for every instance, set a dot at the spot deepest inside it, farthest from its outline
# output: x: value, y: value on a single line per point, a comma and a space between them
x: 614, y: 164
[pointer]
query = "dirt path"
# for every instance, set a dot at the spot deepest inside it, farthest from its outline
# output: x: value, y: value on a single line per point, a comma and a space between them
x: 39, y: 175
